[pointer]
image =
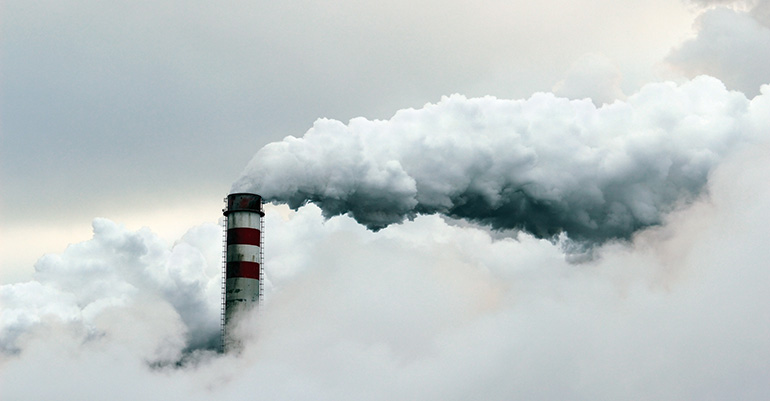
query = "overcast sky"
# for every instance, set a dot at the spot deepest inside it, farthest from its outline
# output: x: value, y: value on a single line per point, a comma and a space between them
x: 123, y: 125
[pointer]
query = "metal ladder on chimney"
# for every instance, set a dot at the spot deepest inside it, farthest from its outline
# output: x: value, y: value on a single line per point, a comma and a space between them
x: 261, y: 259
x: 224, y: 283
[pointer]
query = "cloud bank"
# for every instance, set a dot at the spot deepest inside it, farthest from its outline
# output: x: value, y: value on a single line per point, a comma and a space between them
x: 545, y: 164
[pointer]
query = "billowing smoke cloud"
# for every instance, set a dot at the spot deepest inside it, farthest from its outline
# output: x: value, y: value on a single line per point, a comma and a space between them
x: 118, y: 273
x: 427, y: 310
x: 545, y: 165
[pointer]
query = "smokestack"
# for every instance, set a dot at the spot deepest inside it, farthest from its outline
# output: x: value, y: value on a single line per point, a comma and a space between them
x: 243, y: 260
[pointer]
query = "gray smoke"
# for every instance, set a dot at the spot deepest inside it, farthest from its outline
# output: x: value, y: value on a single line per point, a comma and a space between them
x: 546, y: 165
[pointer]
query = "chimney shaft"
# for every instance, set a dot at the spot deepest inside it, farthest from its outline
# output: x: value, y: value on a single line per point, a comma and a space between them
x: 243, y: 260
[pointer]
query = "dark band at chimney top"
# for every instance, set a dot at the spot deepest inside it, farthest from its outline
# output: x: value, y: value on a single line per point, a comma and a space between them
x: 244, y: 202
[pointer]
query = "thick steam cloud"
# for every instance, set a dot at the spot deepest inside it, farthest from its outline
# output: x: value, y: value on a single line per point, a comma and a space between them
x: 423, y: 310
x: 123, y: 282
x: 546, y: 165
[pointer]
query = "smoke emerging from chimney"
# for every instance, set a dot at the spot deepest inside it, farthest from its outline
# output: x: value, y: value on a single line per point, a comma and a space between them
x: 545, y: 165
x: 422, y: 310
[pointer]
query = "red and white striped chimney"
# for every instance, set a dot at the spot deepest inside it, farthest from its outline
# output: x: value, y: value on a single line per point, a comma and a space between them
x: 243, y: 269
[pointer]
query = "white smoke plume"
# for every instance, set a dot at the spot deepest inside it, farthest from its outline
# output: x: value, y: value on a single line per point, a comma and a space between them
x: 421, y: 310
x: 172, y: 292
x: 545, y: 165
